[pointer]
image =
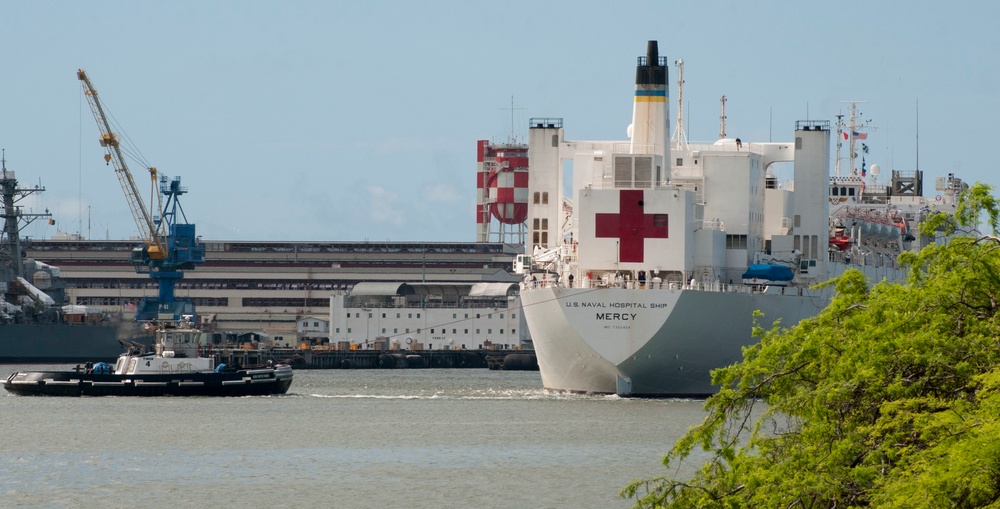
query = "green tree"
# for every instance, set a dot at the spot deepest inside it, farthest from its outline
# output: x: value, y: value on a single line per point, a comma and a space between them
x: 890, y: 397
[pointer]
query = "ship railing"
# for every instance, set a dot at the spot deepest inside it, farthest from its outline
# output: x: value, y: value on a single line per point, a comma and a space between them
x: 744, y: 146
x: 711, y: 224
x: 701, y: 286
x: 865, y: 257
x: 630, y: 149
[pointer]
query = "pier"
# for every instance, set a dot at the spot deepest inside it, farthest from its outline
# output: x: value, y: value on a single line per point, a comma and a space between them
x: 508, y: 360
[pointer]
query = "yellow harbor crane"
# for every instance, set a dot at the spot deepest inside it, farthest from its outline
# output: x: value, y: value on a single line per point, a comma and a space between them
x: 153, y: 233
x: 170, y: 247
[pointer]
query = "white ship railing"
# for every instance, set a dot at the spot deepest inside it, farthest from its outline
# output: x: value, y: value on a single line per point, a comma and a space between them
x: 716, y: 287
x: 710, y: 224
x: 711, y: 148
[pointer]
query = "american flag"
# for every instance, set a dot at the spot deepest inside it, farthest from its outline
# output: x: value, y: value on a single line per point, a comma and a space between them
x: 859, y: 136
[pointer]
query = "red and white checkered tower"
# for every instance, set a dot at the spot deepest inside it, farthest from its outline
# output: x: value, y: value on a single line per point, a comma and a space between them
x: 502, y: 192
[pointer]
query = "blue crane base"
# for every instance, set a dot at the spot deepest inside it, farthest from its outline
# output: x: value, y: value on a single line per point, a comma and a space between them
x: 154, y: 310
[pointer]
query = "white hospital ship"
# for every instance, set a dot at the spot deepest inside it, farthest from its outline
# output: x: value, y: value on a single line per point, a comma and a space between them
x: 650, y: 278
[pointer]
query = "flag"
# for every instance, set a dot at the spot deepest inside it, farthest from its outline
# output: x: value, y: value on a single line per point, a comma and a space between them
x: 845, y: 136
x: 864, y: 148
x: 859, y: 136
x: 863, y: 171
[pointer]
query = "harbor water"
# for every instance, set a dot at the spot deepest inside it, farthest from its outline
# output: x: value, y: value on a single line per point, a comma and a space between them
x: 425, y: 438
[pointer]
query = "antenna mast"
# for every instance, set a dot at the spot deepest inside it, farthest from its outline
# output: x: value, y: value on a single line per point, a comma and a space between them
x: 513, y: 136
x: 680, y: 137
x: 722, y: 118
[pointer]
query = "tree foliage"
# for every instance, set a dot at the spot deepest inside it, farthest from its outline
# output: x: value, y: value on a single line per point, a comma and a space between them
x: 890, y: 397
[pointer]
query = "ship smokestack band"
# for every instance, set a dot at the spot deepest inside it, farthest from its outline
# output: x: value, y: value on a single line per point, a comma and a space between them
x: 650, y: 128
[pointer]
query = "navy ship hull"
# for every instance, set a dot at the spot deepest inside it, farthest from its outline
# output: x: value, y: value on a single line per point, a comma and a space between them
x: 37, y: 343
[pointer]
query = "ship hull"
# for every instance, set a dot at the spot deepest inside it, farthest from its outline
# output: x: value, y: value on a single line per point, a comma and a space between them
x: 650, y: 343
x: 34, y: 343
x: 247, y: 382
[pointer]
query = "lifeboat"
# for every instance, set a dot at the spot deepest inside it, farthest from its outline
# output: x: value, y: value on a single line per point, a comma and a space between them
x: 841, y: 242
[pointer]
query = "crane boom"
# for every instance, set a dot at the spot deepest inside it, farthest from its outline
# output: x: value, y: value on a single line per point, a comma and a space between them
x: 170, y: 246
x: 147, y: 227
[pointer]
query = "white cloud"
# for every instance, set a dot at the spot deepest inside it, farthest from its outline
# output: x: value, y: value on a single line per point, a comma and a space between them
x: 383, y: 206
x: 442, y: 192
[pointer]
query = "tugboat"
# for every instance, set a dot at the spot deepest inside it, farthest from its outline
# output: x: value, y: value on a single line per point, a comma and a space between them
x: 176, y: 368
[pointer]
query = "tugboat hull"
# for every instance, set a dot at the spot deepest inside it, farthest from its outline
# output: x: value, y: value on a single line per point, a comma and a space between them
x: 245, y: 382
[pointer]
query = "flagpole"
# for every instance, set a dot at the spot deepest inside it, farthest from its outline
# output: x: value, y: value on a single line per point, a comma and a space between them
x: 840, y: 142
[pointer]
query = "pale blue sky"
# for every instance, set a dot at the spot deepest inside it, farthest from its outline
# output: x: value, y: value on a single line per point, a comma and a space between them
x: 343, y: 121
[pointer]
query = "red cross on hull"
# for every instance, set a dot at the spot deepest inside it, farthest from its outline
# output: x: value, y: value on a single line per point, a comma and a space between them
x: 631, y: 226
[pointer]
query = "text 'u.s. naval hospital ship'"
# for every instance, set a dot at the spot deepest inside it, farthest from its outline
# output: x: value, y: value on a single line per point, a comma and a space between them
x: 671, y: 246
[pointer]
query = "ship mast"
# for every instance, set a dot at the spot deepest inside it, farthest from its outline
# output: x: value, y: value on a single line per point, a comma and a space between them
x: 722, y: 119
x: 680, y: 137
x: 855, y: 131
x: 13, y: 216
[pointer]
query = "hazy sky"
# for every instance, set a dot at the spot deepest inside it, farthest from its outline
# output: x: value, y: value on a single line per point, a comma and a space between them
x: 345, y: 121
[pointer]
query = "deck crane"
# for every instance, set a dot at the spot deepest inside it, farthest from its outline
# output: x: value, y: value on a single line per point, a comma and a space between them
x: 169, y: 247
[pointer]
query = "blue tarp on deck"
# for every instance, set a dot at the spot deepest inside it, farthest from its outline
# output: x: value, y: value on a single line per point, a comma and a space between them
x: 768, y: 272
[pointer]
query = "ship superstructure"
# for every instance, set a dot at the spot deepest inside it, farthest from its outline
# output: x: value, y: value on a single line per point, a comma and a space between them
x: 675, y: 245
x: 36, y: 324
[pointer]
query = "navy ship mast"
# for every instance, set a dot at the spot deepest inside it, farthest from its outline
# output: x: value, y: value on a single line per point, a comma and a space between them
x: 12, y: 252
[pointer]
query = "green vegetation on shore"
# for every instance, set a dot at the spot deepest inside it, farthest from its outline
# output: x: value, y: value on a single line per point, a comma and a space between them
x: 888, y: 398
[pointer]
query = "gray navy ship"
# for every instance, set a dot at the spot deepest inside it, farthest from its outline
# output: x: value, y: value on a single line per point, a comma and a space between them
x: 36, y: 324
